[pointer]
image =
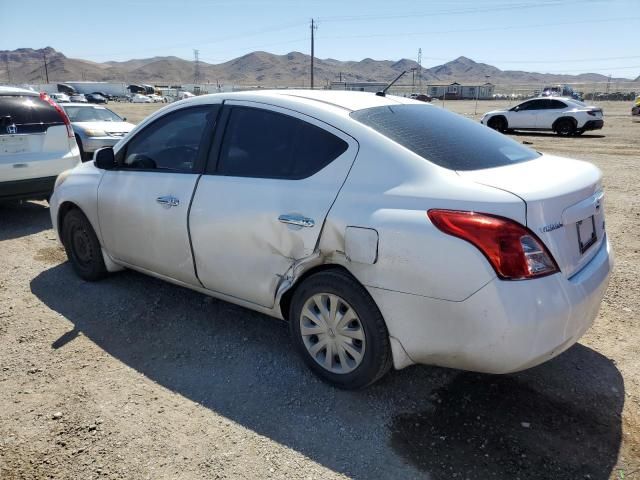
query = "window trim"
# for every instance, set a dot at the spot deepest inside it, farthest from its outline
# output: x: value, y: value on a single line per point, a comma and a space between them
x: 212, y: 168
x: 203, y: 148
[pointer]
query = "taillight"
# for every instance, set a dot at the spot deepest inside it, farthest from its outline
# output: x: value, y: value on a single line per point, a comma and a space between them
x: 65, y: 118
x: 594, y: 112
x: 514, y: 251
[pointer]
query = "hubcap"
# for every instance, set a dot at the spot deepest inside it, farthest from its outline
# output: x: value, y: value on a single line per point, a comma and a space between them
x: 332, y: 333
x: 81, y: 246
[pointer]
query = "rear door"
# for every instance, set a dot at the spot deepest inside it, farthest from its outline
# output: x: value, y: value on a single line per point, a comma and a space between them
x: 270, y: 182
x: 143, y: 205
x: 550, y: 113
x: 33, y: 139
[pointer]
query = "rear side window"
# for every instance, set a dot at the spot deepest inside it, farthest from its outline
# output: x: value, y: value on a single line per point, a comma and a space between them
x: 444, y: 138
x: 265, y: 144
x: 29, y: 114
x: 554, y: 104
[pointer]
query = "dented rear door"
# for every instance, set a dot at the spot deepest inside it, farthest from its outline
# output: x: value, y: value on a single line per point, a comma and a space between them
x: 271, y: 180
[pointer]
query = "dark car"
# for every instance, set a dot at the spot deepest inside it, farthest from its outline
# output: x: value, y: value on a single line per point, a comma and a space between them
x: 105, y: 95
x: 95, y: 98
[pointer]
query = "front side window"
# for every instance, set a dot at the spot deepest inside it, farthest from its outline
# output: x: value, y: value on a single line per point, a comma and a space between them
x: 170, y: 143
x: 265, y: 144
x: 444, y: 138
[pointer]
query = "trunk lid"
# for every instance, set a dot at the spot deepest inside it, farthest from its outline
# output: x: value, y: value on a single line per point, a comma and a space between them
x: 564, y: 203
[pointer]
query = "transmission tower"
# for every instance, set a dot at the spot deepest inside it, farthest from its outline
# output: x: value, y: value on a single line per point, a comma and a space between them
x: 314, y: 27
x: 6, y: 62
x: 420, y: 70
x: 196, y: 66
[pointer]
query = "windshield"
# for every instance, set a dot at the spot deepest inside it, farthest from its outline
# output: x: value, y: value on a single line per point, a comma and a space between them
x: 91, y: 114
x: 444, y: 138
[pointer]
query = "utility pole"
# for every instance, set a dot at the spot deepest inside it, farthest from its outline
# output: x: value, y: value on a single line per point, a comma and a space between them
x: 420, y: 69
x: 46, y: 70
x: 196, y: 71
x: 6, y: 61
x: 314, y: 26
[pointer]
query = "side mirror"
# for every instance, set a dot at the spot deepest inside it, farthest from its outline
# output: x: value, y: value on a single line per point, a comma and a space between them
x: 104, y: 159
x: 516, y: 108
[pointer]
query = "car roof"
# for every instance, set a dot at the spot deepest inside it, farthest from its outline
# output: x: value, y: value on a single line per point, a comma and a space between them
x: 18, y: 91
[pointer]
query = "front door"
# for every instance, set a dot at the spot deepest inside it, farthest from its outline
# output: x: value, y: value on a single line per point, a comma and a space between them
x: 525, y: 116
x: 143, y: 205
x: 264, y: 204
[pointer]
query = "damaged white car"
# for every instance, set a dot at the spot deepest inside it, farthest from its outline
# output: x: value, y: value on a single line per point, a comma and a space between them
x: 386, y: 231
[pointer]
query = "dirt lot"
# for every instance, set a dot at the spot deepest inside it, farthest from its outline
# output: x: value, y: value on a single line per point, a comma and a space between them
x: 135, y: 378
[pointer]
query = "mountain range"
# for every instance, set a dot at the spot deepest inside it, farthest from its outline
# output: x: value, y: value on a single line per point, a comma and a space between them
x: 26, y: 65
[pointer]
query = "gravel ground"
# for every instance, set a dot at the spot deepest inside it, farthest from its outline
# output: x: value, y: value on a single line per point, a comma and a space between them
x: 133, y: 378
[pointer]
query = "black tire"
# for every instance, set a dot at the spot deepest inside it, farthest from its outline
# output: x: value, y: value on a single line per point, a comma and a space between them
x: 565, y: 126
x: 498, y: 124
x: 82, y: 246
x: 376, y: 359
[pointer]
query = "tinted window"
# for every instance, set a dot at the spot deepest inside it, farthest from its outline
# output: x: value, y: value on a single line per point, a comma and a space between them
x: 260, y: 143
x: 444, y: 138
x: 536, y: 105
x: 170, y: 143
x: 30, y: 114
x: 91, y: 114
x: 554, y: 104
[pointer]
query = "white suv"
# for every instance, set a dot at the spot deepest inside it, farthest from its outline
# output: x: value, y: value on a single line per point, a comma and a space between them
x: 565, y: 116
x: 36, y: 144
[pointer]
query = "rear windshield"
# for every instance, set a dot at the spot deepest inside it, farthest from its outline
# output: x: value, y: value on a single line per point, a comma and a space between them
x: 444, y: 138
x: 91, y: 114
x: 29, y: 114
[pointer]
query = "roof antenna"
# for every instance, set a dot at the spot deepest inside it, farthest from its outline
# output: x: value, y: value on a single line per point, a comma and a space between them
x: 383, y: 93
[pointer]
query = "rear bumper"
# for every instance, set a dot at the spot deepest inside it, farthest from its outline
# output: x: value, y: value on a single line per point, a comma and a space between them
x: 593, y: 125
x: 32, y: 189
x: 505, y: 327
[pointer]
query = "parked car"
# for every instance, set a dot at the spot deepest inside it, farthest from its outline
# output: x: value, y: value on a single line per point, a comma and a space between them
x: 102, y: 94
x: 139, y: 98
x: 364, y: 221
x: 563, y: 115
x: 156, y: 98
x: 95, y: 98
x: 59, y: 97
x: 36, y: 144
x: 78, y: 97
x: 95, y: 127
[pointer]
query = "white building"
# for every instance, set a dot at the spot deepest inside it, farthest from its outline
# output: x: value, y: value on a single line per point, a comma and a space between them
x: 456, y: 91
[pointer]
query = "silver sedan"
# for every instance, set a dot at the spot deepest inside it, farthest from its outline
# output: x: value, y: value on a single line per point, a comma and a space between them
x: 95, y: 127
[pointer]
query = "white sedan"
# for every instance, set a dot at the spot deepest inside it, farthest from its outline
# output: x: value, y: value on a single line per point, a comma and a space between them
x: 139, y: 98
x: 565, y: 116
x: 386, y: 231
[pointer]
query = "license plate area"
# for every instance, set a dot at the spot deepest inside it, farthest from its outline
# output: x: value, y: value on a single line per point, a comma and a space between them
x: 13, y: 144
x: 586, y: 233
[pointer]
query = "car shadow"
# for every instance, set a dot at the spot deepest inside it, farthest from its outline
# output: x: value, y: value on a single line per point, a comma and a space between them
x: 552, y: 134
x: 20, y: 219
x: 560, y: 420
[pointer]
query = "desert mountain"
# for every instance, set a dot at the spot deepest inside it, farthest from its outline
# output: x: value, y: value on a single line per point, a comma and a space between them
x: 26, y: 65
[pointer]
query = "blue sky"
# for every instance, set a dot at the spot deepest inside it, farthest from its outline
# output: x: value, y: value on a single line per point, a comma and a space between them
x: 556, y: 36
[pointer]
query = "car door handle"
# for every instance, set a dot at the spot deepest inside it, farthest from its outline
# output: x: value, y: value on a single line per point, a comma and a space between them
x: 299, y: 220
x: 168, y: 201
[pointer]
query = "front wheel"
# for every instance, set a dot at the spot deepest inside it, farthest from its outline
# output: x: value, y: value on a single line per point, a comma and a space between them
x: 82, y: 246
x: 497, y: 123
x: 339, y: 331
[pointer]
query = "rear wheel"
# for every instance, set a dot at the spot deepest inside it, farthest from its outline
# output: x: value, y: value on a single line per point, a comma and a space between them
x: 339, y: 331
x: 497, y: 123
x: 82, y: 246
x: 565, y: 127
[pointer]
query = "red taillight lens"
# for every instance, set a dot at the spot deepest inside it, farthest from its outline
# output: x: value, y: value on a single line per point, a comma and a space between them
x: 62, y: 113
x: 514, y: 251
